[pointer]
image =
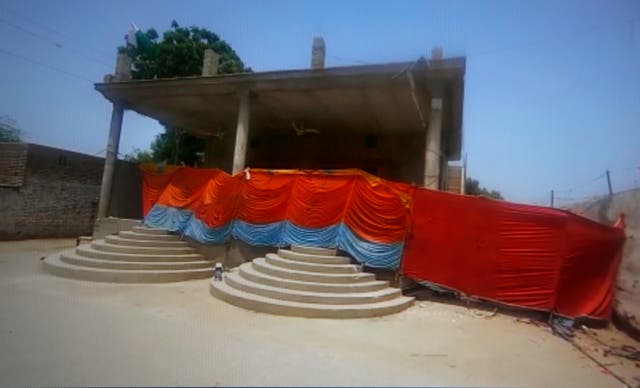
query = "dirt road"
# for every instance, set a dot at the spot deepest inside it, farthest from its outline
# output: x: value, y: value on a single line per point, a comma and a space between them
x: 56, y: 331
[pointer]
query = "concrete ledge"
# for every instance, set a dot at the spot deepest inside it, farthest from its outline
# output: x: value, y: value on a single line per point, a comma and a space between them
x: 239, y: 298
x: 112, y: 225
x: 148, y: 237
x: 147, y: 230
x: 278, y: 261
x: 261, y: 265
x: 313, y: 257
x: 238, y: 282
x: 71, y: 257
x: 87, y: 251
x: 314, y: 250
x: 248, y: 272
x: 119, y: 240
x: 102, y: 245
x: 52, y: 264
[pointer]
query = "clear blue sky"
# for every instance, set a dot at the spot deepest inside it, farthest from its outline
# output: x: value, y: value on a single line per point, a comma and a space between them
x: 552, y: 88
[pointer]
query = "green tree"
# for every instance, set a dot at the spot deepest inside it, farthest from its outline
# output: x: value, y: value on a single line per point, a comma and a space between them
x: 179, y: 53
x: 9, y: 130
x: 139, y: 156
x: 472, y: 187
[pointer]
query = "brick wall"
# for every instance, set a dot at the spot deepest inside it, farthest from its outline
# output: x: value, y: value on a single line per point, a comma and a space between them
x: 13, y: 161
x: 58, y: 192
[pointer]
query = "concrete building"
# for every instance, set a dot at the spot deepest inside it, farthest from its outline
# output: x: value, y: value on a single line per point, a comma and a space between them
x: 400, y: 121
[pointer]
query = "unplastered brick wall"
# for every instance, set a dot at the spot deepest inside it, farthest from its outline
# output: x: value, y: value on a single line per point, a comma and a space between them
x: 13, y: 161
x: 58, y: 194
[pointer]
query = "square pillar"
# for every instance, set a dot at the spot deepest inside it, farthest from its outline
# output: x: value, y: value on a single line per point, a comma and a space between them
x: 113, y: 143
x: 433, y: 155
x: 242, y: 134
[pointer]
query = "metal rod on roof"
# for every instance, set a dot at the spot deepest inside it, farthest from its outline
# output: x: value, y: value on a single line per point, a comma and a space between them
x: 412, y: 84
x: 609, y: 182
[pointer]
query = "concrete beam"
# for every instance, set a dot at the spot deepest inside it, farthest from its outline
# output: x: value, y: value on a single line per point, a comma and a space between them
x: 329, y: 78
x: 433, y: 153
x: 113, y: 143
x: 242, y: 134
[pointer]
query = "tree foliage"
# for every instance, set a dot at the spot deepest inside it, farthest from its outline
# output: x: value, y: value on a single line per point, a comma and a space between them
x: 139, y: 156
x: 179, y: 53
x: 9, y: 131
x: 472, y: 187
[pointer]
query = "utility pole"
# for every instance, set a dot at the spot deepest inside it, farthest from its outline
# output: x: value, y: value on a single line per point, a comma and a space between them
x: 551, y: 198
x: 609, y: 183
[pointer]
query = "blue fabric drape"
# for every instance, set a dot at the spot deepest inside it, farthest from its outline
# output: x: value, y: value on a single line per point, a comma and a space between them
x: 277, y: 234
x: 168, y: 218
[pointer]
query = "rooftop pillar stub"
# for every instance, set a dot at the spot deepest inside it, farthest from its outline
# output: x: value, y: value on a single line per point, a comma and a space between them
x: 318, y: 52
x: 210, y: 63
x: 123, y: 67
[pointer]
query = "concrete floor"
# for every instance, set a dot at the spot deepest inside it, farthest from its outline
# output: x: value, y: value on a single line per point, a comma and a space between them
x: 56, y: 331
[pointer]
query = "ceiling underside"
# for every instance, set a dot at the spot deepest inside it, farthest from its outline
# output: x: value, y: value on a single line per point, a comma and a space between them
x: 370, y: 99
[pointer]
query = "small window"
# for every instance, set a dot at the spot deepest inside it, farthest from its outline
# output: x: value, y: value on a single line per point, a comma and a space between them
x: 62, y: 160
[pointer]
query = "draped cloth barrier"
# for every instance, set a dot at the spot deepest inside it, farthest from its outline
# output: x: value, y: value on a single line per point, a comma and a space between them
x: 364, y: 215
x: 527, y: 256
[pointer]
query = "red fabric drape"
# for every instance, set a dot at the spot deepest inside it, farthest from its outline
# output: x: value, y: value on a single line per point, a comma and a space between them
x: 154, y: 183
x: 528, y: 256
x: 523, y: 255
x: 375, y: 209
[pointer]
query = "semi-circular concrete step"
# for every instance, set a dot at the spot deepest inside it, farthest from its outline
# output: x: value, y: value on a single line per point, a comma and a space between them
x: 261, y: 265
x: 54, y: 265
x: 236, y: 281
x: 224, y: 291
x: 88, y: 251
x: 144, y: 236
x: 247, y: 271
x: 148, y: 230
x: 71, y: 257
x: 278, y: 261
x: 314, y: 250
x: 119, y: 240
x: 312, y: 258
x: 102, y: 245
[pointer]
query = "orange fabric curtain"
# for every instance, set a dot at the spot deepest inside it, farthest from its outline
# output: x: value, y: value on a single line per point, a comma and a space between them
x: 375, y: 209
x: 528, y: 256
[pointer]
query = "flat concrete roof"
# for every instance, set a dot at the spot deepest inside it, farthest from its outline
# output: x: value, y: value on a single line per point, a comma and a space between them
x: 368, y: 98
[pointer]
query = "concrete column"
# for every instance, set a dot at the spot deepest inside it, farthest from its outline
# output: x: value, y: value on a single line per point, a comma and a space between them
x: 432, y: 157
x: 318, y: 51
x: 242, y: 134
x: 210, y: 63
x: 113, y: 144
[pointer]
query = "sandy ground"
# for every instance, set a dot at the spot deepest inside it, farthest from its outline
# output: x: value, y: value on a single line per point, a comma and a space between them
x: 56, y: 331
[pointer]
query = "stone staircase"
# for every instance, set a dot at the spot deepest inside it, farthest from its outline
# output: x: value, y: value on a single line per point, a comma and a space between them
x: 142, y: 255
x: 308, y: 282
